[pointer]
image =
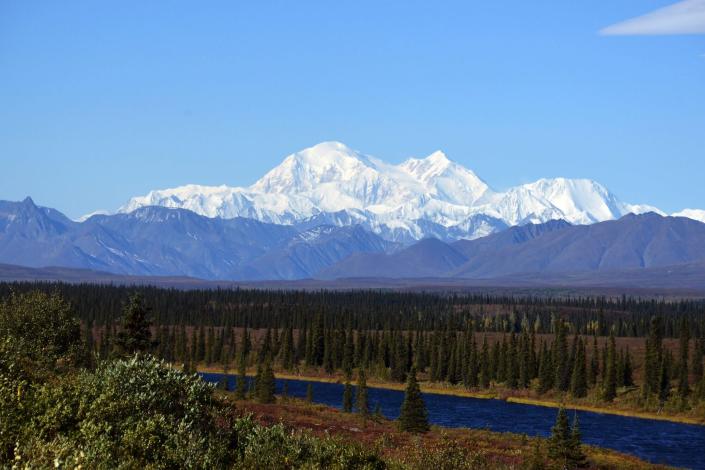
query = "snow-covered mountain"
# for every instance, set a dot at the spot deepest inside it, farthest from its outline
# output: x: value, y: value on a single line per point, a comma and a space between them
x: 434, y: 196
x: 695, y: 214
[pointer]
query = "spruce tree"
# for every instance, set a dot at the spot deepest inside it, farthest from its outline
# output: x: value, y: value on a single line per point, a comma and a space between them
x: 347, y: 397
x: 664, y: 389
x: 348, y: 353
x: 361, y: 402
x: 241, y: 383
x: 413, y: 416
x: 683, y: 370
x: 546, y: 371
x: 287, y: 350
x: 485, y: 364
x: 134, y: 335
x: 578, y: 382
x: 524, y: 361
x: 265, y: 384
x: 653, y: 360
x: 594, y: 371
x: 378, y: 411
x: 560, y: 358
x: 241, y: 386
x: 576, y: 457
x: 560, y: 440
x: 609, y: 391
x: 628, y: 370
x: 512, y: 371
x: 564, y: 443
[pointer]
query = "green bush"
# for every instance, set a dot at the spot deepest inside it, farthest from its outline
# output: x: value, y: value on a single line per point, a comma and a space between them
x: 43, y: 330
x: 130, y: 413
x: 274, y: 448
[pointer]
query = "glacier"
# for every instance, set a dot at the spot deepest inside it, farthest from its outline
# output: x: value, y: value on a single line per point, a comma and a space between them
x: 333, y: 184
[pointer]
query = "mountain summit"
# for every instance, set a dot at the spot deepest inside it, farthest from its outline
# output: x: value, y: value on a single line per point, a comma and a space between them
x: 421, y: 197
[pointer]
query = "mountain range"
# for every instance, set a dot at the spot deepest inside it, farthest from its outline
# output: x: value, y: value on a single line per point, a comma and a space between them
x: 332, y: 184
x: 157, y: 241
x: 633, y: 242
x: 330, y: 213
x: 178, y: 243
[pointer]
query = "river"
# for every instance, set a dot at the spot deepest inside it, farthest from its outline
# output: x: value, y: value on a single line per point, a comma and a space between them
x: 681, y: 445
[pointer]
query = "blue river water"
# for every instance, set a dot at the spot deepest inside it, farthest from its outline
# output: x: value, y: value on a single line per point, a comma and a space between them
x: 681, y: 445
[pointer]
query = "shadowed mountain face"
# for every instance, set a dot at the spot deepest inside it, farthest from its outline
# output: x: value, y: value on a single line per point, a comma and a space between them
x: 643, y: 241
x: 157, y: 241
x: 427, y: 258
x: 174, y: 242
x: 632, y: 242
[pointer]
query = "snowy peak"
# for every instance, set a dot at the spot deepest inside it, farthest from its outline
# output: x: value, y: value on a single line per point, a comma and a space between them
x: 431, y: 196
x: 446, y: 179
x: 695, y: 214
x: 305, y: 170
x: 580, y: 201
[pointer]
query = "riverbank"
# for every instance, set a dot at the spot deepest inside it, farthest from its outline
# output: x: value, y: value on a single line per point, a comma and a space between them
x: 439, y: 448
x: 503, y: 394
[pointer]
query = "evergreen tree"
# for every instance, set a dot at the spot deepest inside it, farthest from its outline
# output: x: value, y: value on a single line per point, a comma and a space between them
x: 578, y: 382
x: 134, y: 335
x: 361, y: 402
x: 546, y: 370
x: 653, y: 360
x: 485, y: 364
x: 594, y: 370
x: 560, y: 440
x: 576, y: 457
x: 525, y: 361
x: 564, y: 443
x: 209, y: 346
x: 241, y: 386
x: 628, y: 370
x: 201, y: 346
x: 512, y: 371
x: 683, y: 370
x: 318, y: 341
x: 560, y: 358
x: 413, y: 416
x: 265, y: 384
x: 378, y: 411
x: 698, y: 356
x: 348, y: 353
x: 287, y: 350
x: 664, y: 389
x: 347, y: 397
x: 609, y: 391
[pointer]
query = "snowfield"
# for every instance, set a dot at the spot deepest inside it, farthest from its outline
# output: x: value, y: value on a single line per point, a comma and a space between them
x: 418, y: 198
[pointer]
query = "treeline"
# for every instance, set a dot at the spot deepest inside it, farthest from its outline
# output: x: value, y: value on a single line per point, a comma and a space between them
x: 455, y: 346
x: 546, y: 345
x: 516, y: 361
x: 101, y: 305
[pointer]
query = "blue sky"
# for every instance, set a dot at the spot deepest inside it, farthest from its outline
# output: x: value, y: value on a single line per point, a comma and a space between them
x: 100, y: 101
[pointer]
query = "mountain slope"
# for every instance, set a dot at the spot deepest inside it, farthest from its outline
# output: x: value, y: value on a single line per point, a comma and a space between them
x: 427, y: 258
x: 157, y: 241
x: 643, y: 241
x: 416, y: 199
x: 633, y: 242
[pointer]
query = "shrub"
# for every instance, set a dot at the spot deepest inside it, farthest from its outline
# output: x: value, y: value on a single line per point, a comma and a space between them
x: 136, y: 412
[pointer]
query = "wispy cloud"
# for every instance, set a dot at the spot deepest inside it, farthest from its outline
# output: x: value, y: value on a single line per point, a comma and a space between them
x: 685, y: 17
